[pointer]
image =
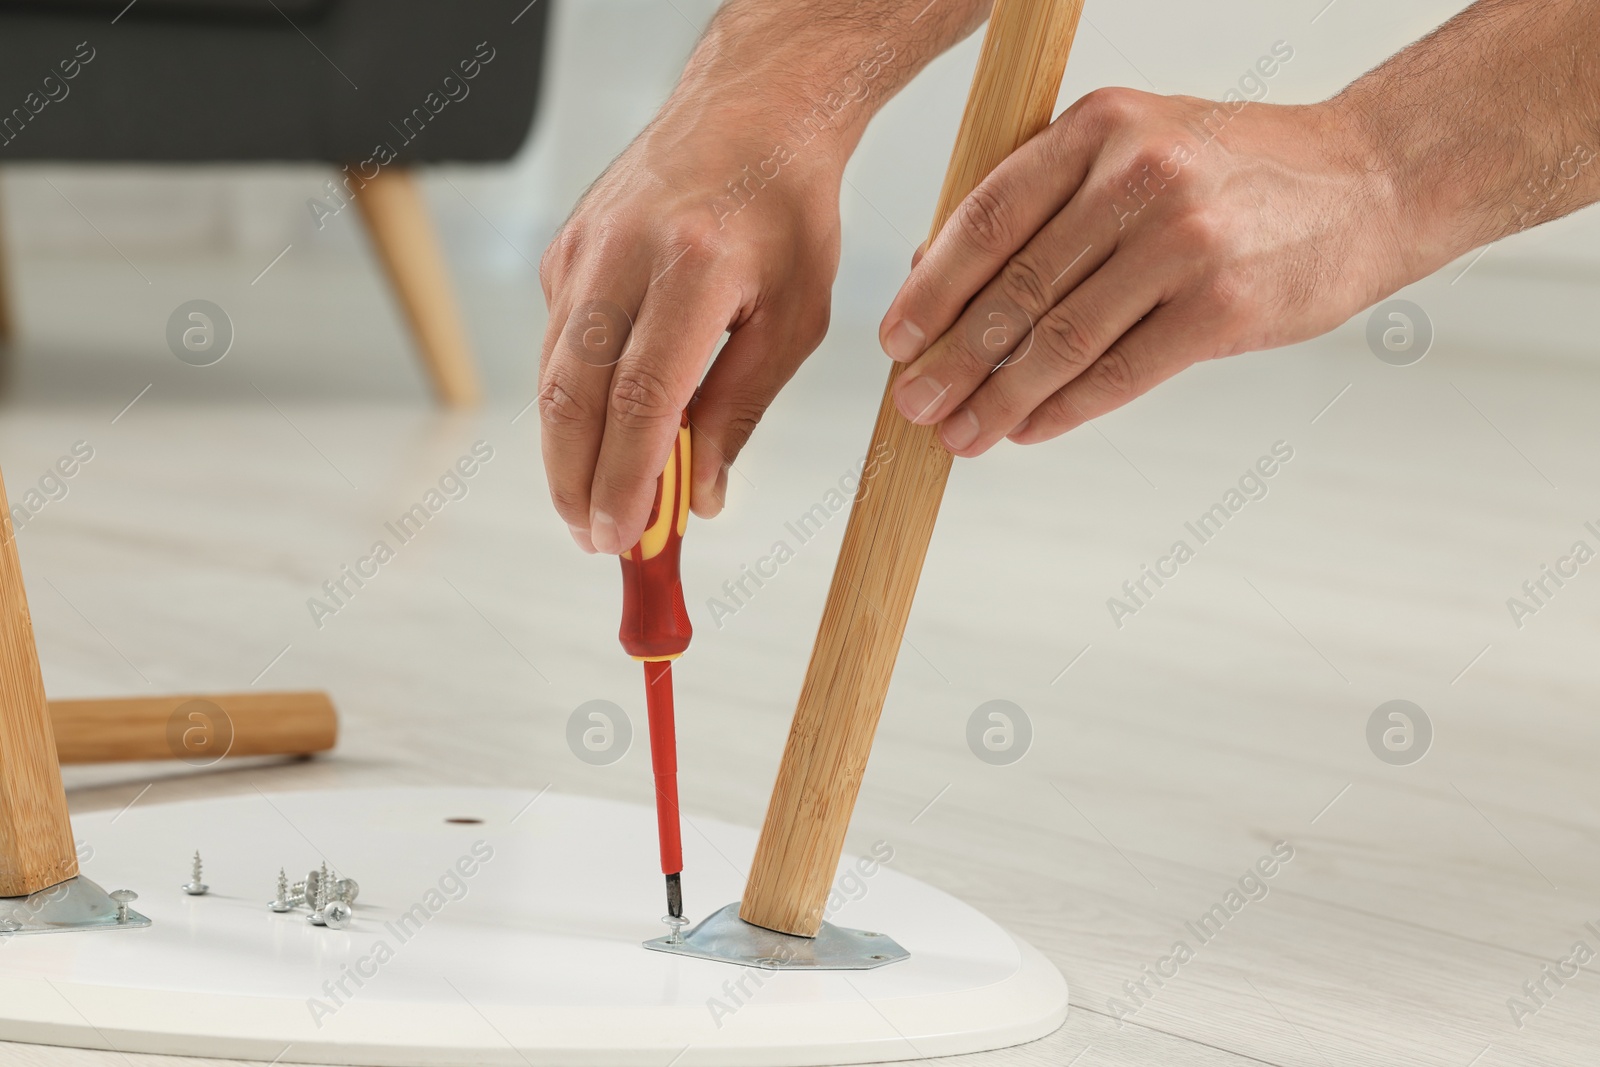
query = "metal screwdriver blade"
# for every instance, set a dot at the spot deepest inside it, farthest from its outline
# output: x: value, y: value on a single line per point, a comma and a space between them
x: 674, y: 896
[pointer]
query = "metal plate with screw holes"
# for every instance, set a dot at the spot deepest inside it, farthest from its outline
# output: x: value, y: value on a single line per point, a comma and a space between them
x: 76, y: 904
x: 726, y: 938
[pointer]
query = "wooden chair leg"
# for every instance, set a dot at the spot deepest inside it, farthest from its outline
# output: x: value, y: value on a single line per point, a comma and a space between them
x: 396, y: 217
x: 36, y: 848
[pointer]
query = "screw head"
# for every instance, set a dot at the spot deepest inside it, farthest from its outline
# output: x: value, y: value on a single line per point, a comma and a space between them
x: 196, y: 889
x: 346, y: 889
x: 123, y: 898
x: 677, y: 922
x: 336, y: 916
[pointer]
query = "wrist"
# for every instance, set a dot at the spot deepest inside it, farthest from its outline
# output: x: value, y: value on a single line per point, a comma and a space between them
x: 1389, y: 190
x: 718, y: 128
x: 808, y: 95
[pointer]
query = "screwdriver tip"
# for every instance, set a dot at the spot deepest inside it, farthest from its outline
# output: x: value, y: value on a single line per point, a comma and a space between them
x: 674, y: 896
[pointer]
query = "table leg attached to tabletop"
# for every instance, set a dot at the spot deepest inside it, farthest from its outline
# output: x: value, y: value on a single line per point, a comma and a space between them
x: 779, y: 923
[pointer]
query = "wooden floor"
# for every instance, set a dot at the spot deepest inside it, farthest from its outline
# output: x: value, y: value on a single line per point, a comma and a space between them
x: 1169, y: 755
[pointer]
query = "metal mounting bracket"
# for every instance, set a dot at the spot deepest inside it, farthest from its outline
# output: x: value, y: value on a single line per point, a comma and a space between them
x: 76, y: 904
x: 726, y: 938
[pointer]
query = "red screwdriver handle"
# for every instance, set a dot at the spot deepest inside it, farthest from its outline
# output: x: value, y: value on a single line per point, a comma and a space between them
x: 655, y: 623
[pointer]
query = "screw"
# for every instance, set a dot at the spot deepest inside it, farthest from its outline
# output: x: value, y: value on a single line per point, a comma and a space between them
x: 336, y: 916
x: 123, y: 897
x: 319, y: 902
x: 677, y: 922
x: 281, y: 902
x: 346, y: 890
x: 195, y: 887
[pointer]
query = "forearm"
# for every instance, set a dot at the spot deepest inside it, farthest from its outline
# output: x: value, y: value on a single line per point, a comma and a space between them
x: 1488, y: 126
x: 813, y: 73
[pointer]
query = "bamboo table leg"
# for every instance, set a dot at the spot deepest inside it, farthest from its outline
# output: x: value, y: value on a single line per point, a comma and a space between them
x: 200, y: 730
x: 36, y: 849
x: 1013, y: 94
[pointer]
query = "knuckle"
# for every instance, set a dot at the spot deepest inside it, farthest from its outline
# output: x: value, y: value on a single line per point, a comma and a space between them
x: 1116, y: 375
x: 1111, y: 106
x: 639, y: 397
x: 978, y: 349
x: 559, y: 410
x: 689, y: 241
x: 742, y: 421
x: 923, y: 298
x: 1025, y: 283
x: 1148, y: 161
x: 813, y: 325
x: 993, y: 333
x: 1062, y: 338
x: 558, y: 255
x: 1058, y: 414
x: 985, y: 219
x: 1201, y: 233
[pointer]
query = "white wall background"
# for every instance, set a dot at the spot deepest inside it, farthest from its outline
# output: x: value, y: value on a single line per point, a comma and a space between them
x: 614, y: 60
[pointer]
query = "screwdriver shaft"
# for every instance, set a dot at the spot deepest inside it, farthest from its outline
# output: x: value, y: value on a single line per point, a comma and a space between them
x: 664, y: 762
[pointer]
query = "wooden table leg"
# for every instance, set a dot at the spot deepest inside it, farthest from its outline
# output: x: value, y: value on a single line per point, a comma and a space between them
x: 1013, y: 95
x: 200, y: 730
x: 36, y: 849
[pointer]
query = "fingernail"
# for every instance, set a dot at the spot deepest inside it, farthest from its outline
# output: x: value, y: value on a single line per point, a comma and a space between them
x: 603, y: 532
x: 905, y: 341
x: 580, y: 534
x: 960, y: 430
x: 917, y: 398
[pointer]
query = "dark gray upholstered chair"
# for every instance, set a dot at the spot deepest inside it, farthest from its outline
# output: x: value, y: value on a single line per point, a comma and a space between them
x: 373, y: 87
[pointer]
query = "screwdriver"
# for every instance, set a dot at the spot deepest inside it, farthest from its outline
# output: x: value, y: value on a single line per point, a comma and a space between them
x: 656, y: 631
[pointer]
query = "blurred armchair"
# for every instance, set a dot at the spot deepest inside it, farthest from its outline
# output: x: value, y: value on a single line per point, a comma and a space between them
x: 373, y: 87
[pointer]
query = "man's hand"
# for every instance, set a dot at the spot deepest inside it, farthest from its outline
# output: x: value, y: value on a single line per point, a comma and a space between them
x: 1139, y: 234
x: 723, y: 216
x: 658, y: 261
x: 1136, y: 235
